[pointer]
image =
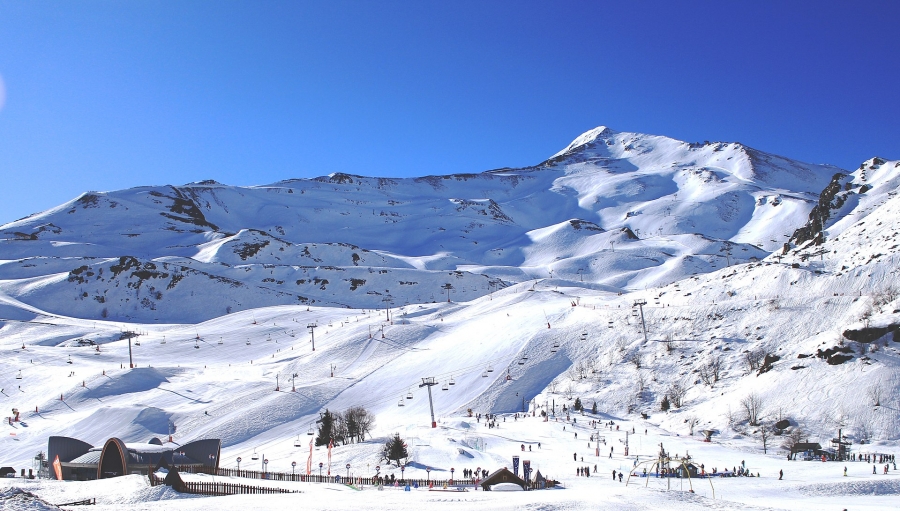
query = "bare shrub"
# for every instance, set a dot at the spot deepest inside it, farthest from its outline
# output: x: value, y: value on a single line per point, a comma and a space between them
x: 711, y: 370
x: 753, y: 408
x: 676, y: 394
x: 691, y: 421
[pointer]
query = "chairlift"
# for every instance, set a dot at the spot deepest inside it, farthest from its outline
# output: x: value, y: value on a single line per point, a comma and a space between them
x: 163, y: 341
x: 583, y: 336
x: 196, y: 344
x: 490, y: 369
x: 248, y: 342
x: 19, y: 376
x: 297, y: 442
x: 137, y: 342
x: 451, y: 382
x: 70, y: 359
x: 401, y: 402
x: 310, y: 430
x: 409, y: 395
x: 220, y: 341
x: 255, y: 456
x: 484, y: 374
x: 445, y: 387
x: 521, y: 362
x: 508, y: 376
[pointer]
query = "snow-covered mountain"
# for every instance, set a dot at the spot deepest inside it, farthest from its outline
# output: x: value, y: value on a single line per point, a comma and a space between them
x: 761, y: 276
x: 621, y: 210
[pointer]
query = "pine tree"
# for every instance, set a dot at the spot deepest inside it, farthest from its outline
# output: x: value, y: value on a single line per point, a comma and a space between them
x: 577, y: 406
x: 664, y: 405
x: 394, y: 449
x: 326, y: 428
x: 594, y: 408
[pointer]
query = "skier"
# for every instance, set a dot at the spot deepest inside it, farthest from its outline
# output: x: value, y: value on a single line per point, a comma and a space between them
x: 845, y: 471
x: 614, y: 475
x: 575, y: 456
x: 780, y: 474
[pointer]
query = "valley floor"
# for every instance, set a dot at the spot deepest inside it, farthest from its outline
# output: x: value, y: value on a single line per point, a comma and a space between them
x: 805, y: 485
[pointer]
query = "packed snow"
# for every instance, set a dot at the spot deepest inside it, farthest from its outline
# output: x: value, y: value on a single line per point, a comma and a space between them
x: 518, y: 286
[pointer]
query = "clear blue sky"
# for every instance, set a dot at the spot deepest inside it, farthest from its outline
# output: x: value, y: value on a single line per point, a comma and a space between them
x: 102, y: 95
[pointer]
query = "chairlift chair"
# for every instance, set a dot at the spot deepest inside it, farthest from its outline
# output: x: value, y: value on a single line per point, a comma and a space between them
x: 19, y: 376
x: 490, y: 369
x: 220, y: 341
x: 255, y: 456
x: 137, y: 342
x: 310, y: 430
x: 297, y: 442
x: 70, y: 360
x: 521, y: 362
x: 196, y: 344
x: 484, y: 374
x: 401, y: 402
x: 248, y: 342
x: 409, y: 395
x: 445, y: 387
x: 451, y: 382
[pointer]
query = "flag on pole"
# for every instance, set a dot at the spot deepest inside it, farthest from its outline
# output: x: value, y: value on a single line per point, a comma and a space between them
x: 309, y: 460
x: 57, y: 467
x: 330, y: 445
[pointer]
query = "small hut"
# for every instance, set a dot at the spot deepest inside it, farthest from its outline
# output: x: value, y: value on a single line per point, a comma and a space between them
x: 540, y: 482
x: 501, y: 476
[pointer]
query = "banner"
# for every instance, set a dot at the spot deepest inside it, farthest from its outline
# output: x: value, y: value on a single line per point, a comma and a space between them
x: 57, y: 467
x: 309, y: 460
x: 330, y: 445
x: 526, y: 470
x: 516, y: 465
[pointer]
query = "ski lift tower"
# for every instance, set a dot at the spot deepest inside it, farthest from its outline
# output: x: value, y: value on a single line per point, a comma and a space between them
x: 429, y: 382
x: 312, y: 332
x: 640, y: 304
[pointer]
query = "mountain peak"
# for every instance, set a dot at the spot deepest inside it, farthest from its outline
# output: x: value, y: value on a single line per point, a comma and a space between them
x: 586, y: 138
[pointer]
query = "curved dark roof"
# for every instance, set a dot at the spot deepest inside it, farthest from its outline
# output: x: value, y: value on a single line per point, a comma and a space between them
x: 113, y: 459
x: 206, y: 451
x: 66, y: 448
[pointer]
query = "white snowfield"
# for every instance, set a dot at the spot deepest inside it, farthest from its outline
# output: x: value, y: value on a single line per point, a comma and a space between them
x: 544, y: 266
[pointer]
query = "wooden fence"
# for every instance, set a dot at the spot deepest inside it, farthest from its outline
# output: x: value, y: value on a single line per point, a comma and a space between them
x: 219, y: 489
x: 315, y: 478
